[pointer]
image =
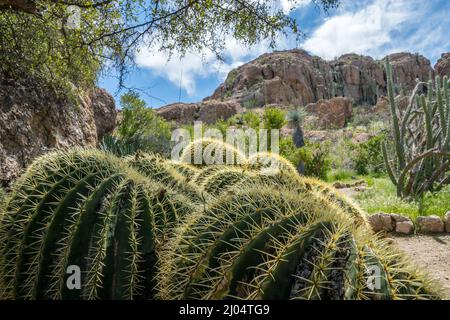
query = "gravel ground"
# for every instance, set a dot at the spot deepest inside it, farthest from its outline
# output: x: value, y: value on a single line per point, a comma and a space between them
x: 430, y: 252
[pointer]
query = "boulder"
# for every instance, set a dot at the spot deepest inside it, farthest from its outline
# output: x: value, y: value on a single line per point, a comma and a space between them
x: 332, y: 113
x: 211, y: 111
x: 33, y: 121
x: 404, y: 227
x: 179, y: 112
x: 208, y: 111
x: 430, y: 224
x: 383, y: 106
x: 442, y: 66
x: 447, y: 221
x: 291, y: 77
x: 104, y: 110
x: 381, y: 222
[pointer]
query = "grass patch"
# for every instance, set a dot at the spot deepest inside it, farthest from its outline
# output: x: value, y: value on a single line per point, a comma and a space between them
x: 381, y: 196
x: 342, y: 175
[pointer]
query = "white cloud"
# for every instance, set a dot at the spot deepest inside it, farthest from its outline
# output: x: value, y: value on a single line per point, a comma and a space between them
x: 366, y: 31
x: 187, y: 70
x: 288, y: 5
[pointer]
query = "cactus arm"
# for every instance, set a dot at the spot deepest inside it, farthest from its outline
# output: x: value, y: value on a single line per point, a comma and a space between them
x: 429, y: 135
x: 389, y: 169
x: 428, y: 184
x: 440, y: 106
x: 398, y: 139
x: 446, y: 144
x: 412, y: 163
x: 406, y: 117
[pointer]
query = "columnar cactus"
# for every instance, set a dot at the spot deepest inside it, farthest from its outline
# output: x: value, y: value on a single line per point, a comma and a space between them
x: 421, y: 136
x: 84, y: 209
x: 257, y: 244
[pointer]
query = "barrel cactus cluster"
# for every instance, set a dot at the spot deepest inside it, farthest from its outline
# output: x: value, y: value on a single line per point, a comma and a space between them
x: 143, y: 227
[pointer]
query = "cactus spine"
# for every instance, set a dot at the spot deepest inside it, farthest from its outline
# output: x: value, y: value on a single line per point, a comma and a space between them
x: 135, y: 232
x: 83, y: 208
x: 257, y: 244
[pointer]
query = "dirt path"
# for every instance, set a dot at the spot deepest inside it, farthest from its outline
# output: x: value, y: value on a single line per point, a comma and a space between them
x: 431, y: 253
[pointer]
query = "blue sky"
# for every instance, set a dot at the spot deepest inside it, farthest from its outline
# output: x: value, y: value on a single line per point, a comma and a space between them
x: 370, y: 27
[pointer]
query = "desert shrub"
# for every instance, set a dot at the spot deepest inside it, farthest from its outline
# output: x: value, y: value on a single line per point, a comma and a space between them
x: 316, y: 159
x: 141, y: 128
x: 381, y: 197
x: 252, y: 120
x: 274, y: 118
x: 367, y: 156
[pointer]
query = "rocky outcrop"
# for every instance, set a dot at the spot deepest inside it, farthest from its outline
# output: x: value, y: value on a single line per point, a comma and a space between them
x: 34, y: 121
x: 104, y: 110
x: 407, y: 67
x: 360, y: 78
x: 442, y: 66
x: 294, y: 77
x: 208, y: 111
x: 283, y: 77
x: 333, y: 113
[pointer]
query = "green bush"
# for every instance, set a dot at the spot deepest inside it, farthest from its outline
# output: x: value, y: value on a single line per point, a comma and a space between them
x: 141, y: 127
x: 314, y: 156
x: 252, y: 120
x: 274, y: 118
x: 367, y: 156
x: 316, y: 159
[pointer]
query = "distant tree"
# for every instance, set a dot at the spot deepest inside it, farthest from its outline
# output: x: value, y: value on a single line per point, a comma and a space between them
x: 36, y: 40
x: 139, y: 129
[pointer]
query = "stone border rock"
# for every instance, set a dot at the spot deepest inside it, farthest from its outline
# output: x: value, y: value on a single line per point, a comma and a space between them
x: 392, y: 222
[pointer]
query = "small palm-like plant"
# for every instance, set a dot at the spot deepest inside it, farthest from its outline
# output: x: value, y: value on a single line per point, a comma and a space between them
x: 295, y: 118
